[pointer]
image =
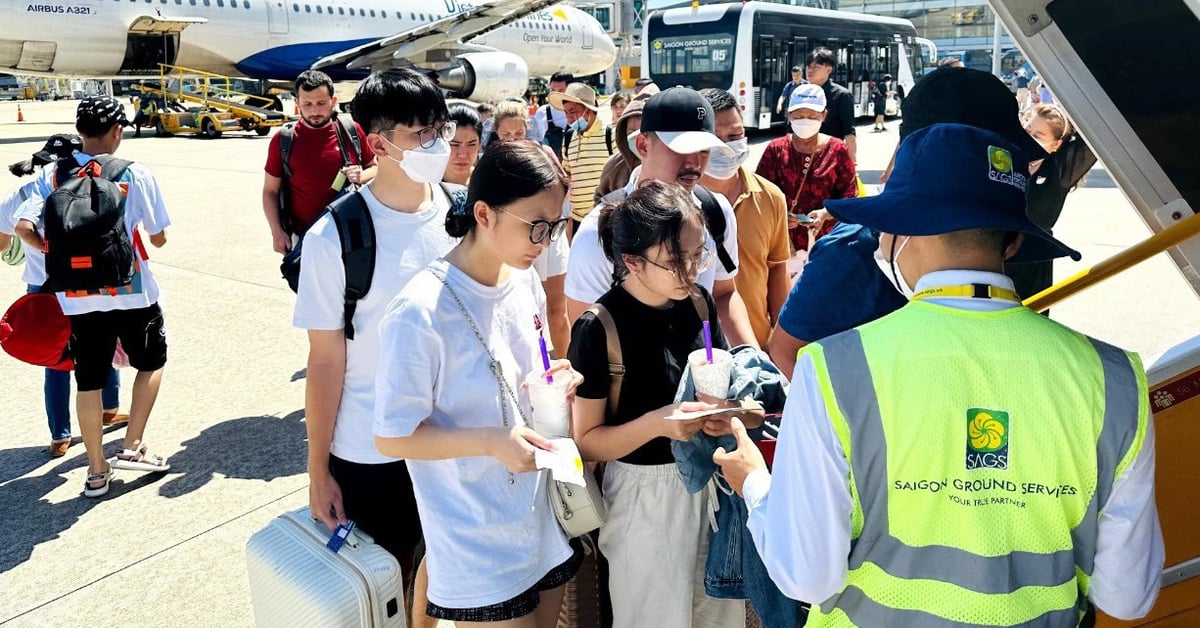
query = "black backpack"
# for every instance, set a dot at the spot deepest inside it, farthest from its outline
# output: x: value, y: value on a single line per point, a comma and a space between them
x: 356, y: 232
x: 714, y: 220
x: 287, y: 136
x: 87, y: 244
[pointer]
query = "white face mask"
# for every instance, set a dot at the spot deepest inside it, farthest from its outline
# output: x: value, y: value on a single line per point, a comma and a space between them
x: 631, y: 139
x: 423, y: 165
x: 891, y: 269
x: 805, y: 128
x: 722, y: 166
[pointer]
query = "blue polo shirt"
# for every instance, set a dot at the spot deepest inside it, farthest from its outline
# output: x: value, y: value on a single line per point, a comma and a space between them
x: 841, y: 286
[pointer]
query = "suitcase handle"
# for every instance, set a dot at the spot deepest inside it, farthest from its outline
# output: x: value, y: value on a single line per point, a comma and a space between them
x: 354, y: 539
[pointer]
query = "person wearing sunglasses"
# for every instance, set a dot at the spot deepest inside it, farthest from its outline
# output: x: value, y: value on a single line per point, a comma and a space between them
x: 495, y: 552
x: 656, y: 535
x: 405, y: 117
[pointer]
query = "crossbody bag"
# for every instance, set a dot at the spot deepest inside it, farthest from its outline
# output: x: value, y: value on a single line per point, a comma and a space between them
x: 579, y: 509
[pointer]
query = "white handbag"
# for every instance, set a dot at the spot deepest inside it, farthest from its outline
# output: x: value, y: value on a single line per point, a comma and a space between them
x: 580, y: 509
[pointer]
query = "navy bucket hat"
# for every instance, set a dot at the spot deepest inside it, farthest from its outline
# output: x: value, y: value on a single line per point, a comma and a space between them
x: 954, y: 177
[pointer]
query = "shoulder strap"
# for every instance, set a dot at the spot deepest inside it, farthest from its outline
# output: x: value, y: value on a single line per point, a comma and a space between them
x: 356, y: 232
x: 112, y: 168
x: 616, y: 363
x: 715, y: 219
x: 608, y: 132
x: 63, y: 169
x: 287, y: 135
x: 351, y: 130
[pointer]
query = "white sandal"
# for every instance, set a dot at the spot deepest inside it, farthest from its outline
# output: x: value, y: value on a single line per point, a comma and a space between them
x: 140, y: 460
x: 97, y: 491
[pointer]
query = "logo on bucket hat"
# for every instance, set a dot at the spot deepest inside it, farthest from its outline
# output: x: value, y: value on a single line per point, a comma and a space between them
x: 1000, y: 168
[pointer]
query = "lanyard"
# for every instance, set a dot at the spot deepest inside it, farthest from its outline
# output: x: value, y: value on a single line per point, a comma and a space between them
x: 974, y: 291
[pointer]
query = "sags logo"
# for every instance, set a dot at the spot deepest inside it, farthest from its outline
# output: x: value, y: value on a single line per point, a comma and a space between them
x: 1000, y: 159
x: 987, y: 439
x: 1000, y: 168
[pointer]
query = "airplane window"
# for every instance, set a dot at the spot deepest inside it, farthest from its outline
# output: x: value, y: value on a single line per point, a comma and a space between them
x: 307, y: 8
x: 341, y: 11
x: 207, y: 3
x: 318, y: 8
x: 221, y: 3
x: 362, y: 13
x: 296, y: 8
x: 412, y: 16
x: 192, y: 2
x: 372, y: 12
x: 178, y: 2
x: 382, y: 13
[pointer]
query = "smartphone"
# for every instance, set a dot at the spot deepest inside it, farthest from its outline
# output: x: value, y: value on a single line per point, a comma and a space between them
x: 803, y: 218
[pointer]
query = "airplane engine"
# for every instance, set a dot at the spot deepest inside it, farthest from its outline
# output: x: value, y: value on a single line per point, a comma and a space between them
x: 484, y: 76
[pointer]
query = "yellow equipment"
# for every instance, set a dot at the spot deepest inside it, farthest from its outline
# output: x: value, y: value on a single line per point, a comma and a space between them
x: 203, y: 103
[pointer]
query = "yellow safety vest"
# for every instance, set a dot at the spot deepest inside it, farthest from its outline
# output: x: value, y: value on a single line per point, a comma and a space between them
x: 981, y: 447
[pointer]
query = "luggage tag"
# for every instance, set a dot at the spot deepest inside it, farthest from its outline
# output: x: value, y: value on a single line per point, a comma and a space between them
x: 339, y: 536
x: 339, y: 181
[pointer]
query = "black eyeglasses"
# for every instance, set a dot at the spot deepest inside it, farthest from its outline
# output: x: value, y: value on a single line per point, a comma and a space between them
x: 540, y: 229
x: 429, y: 135
x: 694, y: 265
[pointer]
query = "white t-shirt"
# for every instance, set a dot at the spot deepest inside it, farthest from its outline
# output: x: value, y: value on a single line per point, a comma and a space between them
x: 485, y: 545
x: 589, y: 273
x: 143, y: 205
x: 35, y: 260
x: 406, y: 243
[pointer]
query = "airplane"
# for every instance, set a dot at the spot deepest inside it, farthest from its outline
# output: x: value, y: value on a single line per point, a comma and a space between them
x: 477, y: 51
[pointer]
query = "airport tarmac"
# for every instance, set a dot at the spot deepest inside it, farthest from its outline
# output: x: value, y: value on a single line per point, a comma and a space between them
x: 168, y: 549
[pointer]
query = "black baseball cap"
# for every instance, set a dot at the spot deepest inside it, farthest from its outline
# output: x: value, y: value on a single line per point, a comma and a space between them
x: 97, y: 114
x: 683, y: 120
x: 57, y: 147
x: 971, y: 97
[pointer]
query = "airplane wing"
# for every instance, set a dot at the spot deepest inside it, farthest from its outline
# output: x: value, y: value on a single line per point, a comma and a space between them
x: 448, y: 31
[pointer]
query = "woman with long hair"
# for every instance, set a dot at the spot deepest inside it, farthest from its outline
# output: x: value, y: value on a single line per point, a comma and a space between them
x: 454, y: 346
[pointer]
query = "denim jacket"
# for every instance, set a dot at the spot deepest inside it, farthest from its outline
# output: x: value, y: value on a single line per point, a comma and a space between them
x: 734, y: 569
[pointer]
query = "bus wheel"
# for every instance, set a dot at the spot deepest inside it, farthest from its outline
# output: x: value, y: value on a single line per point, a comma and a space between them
x: 210, y: 129
x: 262, y: 130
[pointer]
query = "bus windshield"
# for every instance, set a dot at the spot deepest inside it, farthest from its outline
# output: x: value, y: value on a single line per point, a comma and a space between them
x: 698, y: 60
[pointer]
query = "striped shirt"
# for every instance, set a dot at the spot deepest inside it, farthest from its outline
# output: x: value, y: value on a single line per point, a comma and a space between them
x: 584, y: 160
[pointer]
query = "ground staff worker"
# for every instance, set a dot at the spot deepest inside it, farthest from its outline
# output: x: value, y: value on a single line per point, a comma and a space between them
x: 998, y: 466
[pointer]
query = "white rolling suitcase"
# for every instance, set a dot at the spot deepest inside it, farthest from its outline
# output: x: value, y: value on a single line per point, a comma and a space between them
x: 295, y: 580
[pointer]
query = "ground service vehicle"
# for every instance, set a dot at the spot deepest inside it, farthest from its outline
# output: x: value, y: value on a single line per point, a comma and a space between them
x: 749, y: 49
x: 191, y: 101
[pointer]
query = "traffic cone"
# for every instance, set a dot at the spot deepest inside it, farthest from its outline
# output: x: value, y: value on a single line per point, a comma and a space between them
x: 20, y: 116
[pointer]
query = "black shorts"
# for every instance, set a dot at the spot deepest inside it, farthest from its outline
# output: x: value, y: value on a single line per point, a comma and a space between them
x: 519, y: 606
x: 379, y: 499
x: 94, y: 340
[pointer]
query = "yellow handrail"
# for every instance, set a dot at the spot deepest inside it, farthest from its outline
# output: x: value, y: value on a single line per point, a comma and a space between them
x: 1136, y: 254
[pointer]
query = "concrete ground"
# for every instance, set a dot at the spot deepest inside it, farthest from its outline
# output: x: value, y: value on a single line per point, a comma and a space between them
x: 168, y: 549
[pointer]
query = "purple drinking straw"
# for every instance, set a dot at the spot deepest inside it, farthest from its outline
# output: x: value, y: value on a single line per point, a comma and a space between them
x: 708, y: 341
x: 546, y: 358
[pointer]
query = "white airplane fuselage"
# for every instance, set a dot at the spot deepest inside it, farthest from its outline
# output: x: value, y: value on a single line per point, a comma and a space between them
x: 272, y: 39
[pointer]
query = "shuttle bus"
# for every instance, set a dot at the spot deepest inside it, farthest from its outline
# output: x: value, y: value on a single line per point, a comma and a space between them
x: 750, y: 48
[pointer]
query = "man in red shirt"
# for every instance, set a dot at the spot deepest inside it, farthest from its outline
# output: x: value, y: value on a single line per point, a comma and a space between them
x: 322, y: 160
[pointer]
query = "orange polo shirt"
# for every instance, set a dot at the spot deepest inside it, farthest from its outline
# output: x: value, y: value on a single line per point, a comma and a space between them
x: 761, y: 214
